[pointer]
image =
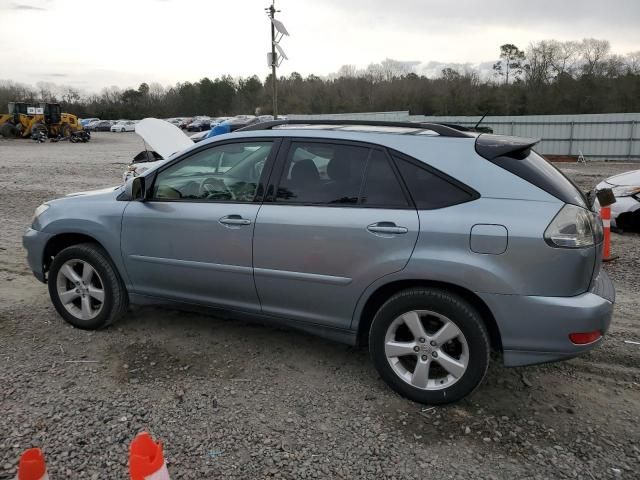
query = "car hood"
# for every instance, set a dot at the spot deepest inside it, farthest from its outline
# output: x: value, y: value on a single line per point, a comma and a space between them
x: 163, y: 137
x: 92, y: 192
x: 630, y: 179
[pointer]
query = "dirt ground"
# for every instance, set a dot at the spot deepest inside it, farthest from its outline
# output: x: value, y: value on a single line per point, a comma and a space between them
x: 236, y: 400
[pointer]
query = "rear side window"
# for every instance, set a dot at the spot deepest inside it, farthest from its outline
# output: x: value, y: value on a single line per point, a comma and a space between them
x: 322, y: 173
x: 381, y: 187
x: 428, y: 190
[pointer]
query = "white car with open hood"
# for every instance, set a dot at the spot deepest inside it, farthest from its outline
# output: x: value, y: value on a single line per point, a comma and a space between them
x: 162, y: 139
x: 625, y: 213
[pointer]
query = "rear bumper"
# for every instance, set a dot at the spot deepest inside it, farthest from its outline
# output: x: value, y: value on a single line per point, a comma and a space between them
x: 536, y: 329
x: 34, y: 242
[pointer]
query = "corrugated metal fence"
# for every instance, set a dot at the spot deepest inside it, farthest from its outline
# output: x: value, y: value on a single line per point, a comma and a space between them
x: 614, y: 136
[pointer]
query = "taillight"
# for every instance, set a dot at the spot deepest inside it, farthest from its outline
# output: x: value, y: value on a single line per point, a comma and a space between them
x: 574, y: 227
x: 583, y: 338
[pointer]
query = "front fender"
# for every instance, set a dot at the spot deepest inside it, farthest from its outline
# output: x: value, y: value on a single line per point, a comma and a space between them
x: 98, y: 216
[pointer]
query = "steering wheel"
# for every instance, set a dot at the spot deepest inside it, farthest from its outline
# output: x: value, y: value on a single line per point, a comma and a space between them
x: 216, y: 188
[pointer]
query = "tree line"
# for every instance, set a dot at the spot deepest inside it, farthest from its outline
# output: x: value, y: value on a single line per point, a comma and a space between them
x: 547, y: 77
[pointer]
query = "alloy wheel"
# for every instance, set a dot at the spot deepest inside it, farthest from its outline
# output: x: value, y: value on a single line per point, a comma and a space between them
x: 80, y: 289
x: 426, y: 349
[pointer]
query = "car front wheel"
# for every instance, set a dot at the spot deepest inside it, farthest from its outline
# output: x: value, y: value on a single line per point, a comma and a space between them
x: 85, y: 288
x: 429, y: 345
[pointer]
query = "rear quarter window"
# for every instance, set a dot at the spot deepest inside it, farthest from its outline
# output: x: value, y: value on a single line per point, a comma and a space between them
x: 428, y: 189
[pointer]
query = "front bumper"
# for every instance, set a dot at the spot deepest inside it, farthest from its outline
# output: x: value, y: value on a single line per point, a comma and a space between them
x: 536, y: 329
x: 34, y: 242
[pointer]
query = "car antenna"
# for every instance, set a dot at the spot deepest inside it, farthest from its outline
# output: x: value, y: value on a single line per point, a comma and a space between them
x: 480, y: 121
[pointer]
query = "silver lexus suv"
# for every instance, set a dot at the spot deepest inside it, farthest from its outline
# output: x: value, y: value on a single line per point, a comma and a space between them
x: 431, y: 244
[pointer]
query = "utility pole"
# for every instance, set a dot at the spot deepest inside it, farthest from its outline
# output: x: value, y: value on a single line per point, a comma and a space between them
x: 277, y: 55
x: 274, y: 59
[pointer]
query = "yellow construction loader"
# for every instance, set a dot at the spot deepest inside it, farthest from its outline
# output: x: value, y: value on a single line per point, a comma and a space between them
x: 46, y: 120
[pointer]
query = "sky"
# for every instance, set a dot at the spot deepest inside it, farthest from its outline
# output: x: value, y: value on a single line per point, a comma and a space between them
x: 92, y: 44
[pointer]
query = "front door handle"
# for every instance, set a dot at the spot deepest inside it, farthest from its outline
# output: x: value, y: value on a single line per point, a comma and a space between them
x: 234, y: 220
x: 387, y: 228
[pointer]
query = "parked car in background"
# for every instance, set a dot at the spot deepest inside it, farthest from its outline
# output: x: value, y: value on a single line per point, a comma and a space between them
x: 197, y: 137
x: 89, y: 126
x: 233, y: 124
x: 409, y: 238
x: 218, y: 120
x: 175, y: 121
x: 86, y: 121
x: 124, y: 126
x: 184, y: 122
x: 199, y: 124
x: 625, y: 212
x: 100, y: 126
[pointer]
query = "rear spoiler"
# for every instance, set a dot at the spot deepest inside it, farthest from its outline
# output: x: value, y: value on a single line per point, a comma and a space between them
x: 494, y: 146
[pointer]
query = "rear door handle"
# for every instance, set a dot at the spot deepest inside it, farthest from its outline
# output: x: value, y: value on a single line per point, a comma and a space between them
x: 387, y: 228
x: 234, y: 220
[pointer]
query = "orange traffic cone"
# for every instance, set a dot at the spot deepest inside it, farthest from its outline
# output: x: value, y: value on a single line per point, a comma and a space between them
x: 146, y: 460
x: 32, y: 466
x: 605, y: 214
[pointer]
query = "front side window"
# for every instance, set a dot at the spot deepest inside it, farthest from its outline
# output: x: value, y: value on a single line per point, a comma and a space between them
x: 322, y: 173
x: 229, y: 172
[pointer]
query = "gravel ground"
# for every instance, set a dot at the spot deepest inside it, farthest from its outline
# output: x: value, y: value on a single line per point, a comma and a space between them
x: 236, y: 400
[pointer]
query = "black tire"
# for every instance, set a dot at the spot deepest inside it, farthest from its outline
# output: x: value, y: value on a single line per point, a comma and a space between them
x: 9, y: 131
x: 458, y: 311
x: 39, y: 129
x: 116, y: 300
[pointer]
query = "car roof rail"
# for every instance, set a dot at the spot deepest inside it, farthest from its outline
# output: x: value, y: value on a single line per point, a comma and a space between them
x: 444, y: 130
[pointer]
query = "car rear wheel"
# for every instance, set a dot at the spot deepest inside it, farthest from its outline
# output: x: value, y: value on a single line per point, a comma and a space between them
x: 429, y: 345
x: 85, y: 288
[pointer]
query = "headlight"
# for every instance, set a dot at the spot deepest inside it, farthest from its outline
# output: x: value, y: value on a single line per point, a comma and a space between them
x: 625, y: 191
x: 40, y: 210
x: 573, y: 227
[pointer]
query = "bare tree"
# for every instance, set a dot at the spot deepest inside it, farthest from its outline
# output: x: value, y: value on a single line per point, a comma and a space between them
x: 594, y: 53
x: 538, y: 67
x: 564, y: 56
x: 46, y: 91
x: 111, y: 94
x: 70, y: 94
x: 632, y: 62
x: 347, y: 71
x: 395, y: 68
x: 615, y: 66
x: 156, y: 91
x: 374, y: 72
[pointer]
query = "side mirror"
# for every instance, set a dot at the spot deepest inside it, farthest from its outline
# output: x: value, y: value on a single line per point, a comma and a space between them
x: 135, y: 189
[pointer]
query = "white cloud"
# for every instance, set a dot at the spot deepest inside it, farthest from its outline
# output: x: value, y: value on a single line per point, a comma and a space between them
x: 126, y: 42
